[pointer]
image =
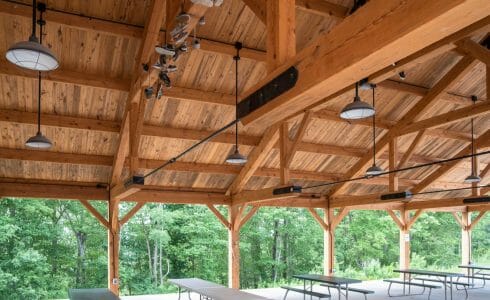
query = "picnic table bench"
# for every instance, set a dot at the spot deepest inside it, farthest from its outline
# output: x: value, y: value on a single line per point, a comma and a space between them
x: 409, y: 284
x: 351, y: 289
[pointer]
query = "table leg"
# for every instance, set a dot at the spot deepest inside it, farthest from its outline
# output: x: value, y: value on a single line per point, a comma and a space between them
x: 445, y: 288
x: 311, y: 289
x: 180, y: 290
x: 346, y: 291
x: 451, y: 287
x: 304, y: 288
x: 338, y: 290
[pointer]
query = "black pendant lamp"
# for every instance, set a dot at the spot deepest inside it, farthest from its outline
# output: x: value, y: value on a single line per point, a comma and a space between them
x: 357, y: 109
x: 32, y: 54
x: 374, y: 170
x: 39, y: 141
x: 235, y: 157
x: 473, y: 177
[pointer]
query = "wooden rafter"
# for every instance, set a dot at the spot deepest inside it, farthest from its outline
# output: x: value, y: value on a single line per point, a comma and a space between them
x: 323, y: 8
x: 95, y: 213
x: 392, y: 162
x: 482, y: 141
x: 284, y: 145
x: 474, y: 49
x: 255, y: 159
x: 318, y: 7
x: 442, y: 46
x: 453, y: 116
x: 259, y: 9
x: 463, y: 66
x: 411, y: 149
x: 319, y: 77
x: 128, y: 127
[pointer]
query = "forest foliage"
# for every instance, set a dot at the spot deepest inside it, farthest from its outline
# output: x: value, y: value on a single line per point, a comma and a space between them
x: 47, y: 247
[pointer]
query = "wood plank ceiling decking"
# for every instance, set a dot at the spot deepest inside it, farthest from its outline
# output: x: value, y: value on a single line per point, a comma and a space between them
x: 84, y: 103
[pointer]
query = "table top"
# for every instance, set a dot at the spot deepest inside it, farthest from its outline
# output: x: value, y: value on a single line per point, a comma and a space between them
x: 224, y: 293
x: 479, y: 267
x: 429, y: 273
x: 327, y: 279
x: 194, y: 284
x: 213, y: 290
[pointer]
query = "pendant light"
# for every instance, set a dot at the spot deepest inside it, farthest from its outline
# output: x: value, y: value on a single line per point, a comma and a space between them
x: 357, y: 109
x: 473, y: 177
x: 374, y: 170
x: 32, y: 54
x: 236, y: 157
x: 39, y: 141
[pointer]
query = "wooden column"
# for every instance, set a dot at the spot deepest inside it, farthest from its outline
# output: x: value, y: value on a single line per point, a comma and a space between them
x: 284, y: 152
x: 329, y: 222
x: 233, y: 248
x: 404, y: 241
x: 465, y: 238
x: 281, y: 36
x: 113, y: 247
x: 328, y: 244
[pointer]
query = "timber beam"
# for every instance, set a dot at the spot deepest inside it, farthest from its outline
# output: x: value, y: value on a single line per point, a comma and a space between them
x: 319, y: 77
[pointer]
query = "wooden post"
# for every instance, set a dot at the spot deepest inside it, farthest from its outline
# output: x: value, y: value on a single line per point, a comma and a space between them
x: 465, y: 238
x: 281, y: 32
x: 405, y: 241
x: 284, y: 152
x: 113, y: 247
x: 328, y: 244
x: 233, y: 248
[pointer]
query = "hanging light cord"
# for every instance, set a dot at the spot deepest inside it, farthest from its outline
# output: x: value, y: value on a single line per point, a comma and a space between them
x: 39, y: 72
x: 473, y: 143
x: 374, y: 129
x: 236, y: 58
x: 400, y: 170
x: 33, y: 33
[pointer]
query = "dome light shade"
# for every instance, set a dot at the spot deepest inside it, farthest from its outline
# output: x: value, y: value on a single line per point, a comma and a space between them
x: 472, y: 179
x: 236, y: 158
x: 39, y: 141
x: 374, y: 170
x: 357, y: 110
x: 32, y: 55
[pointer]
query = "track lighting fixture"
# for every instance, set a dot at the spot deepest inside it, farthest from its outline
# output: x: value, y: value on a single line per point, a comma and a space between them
x: 32, y: 54
x: 357, y: 109
x: 473, y: 177
x: 374, y: 170
x: 236, y: 157
x: 196, y: 43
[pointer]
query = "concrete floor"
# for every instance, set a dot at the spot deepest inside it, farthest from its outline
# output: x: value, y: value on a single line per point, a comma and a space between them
x: 379, y: 287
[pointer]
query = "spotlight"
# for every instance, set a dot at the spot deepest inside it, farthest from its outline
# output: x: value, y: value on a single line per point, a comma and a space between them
x: 402, y: 75
x: 196, y: 43
x: 148, y: 92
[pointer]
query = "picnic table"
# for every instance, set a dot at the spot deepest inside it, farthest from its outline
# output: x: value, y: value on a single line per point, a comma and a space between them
x: 446, y: 278
x: 211, y: 290
x: 476, y: 272
x: 333, y: 281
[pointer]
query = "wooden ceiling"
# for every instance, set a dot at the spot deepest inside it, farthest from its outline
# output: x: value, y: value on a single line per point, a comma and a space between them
x: 85, y: 102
